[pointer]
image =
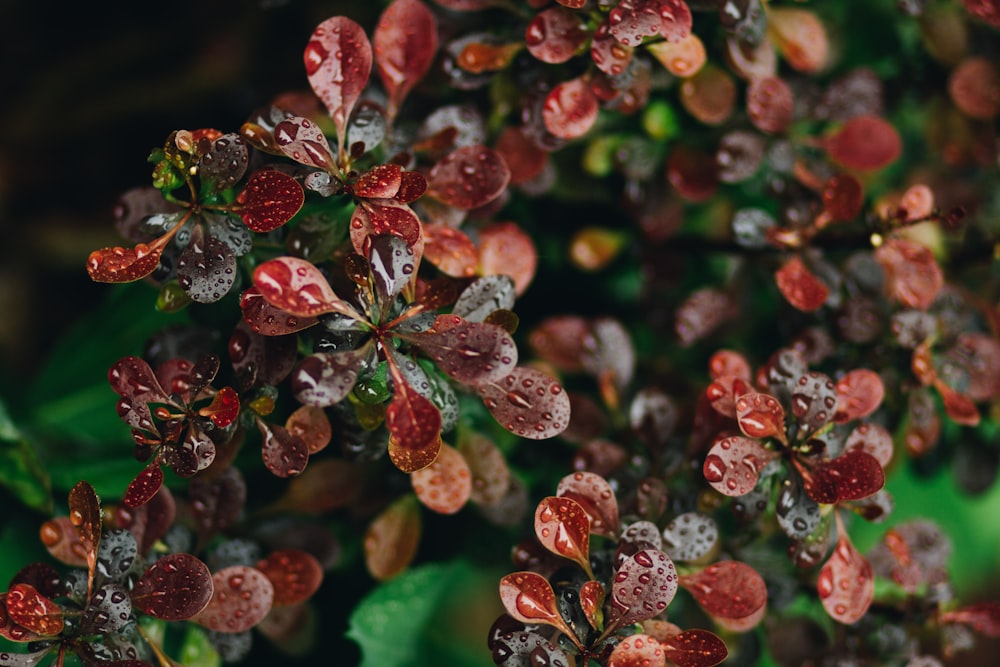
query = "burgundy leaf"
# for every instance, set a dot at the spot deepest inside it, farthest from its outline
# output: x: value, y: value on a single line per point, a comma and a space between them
x: 529, y: 598
x: 637, y: 650
x: 269, y: 200
x: 473, y: 353
x: 405, y: 40
x: 846, y: 583
x: 145, y: 485
x: 675, y: 20
x: 241, y: 598
x: 375, y: 217
x: 446, y: 484
x: 258, y: 358
x: 62, y: 540
x: 642, y: 588
x: 912, y: 274
x: 528, y: 403
x: 632, y: 20
x: 85, y: 515
x: 11, y: 630
x: 269, y: 320
x: 284, y: 454
x: 380, y: 182
x: 468, y: 177
x: 294, y: 574
x: 338, y: 61
x: 728, y: 589
x: 33, y: 611
x: 853, y: 475
x: 695, y: 648
x: 760, y: 415
x: 296, y: 286
x: 133, y: 379
x: 225, y: 163
x: 217, y: 502
x: 860, y: 393
x: 414, y: 422
x: 174, y: 588
x: 326, y: 378
x: 800, y: 286
x: 303, y: 141
x: 43, y: 577
x: 610, y: 55
x: 563, y: 527
x: 865, y: 143
x: 593, y: 493
x: 555, y: 35
x: 123, y: 265
x: 570, y: 109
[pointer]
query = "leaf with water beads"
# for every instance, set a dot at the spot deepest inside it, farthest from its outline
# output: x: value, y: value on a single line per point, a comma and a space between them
x: 760, y: 415
x: 512, y: 649
x: 846, y: 583
x: 800, y: 286
x: 125, y: 265
x: 62, y: 540
x: 450, y: 250
x: 770, y: 104
x: 484, y: 296
x: 108, y: 610
x: 303, y: 141
x: 174, y: 588
x: 225, y: 162
x: 9, y: 629
x: 734, y: 463
x: 727, y: 590
x: 563, y: 527
x: 269, y: 200
x: 284, y: 454
x: 695, y: 648
x: 145, y: 485
x: 473, y: 353
x: 527, y: 403
x: 642, y: 587
x: 8, y: 659
x: 405, y: 41
x: 326, y: 378
x: 528, y: 597
x: 468, y: 177
x: 632, y: 20
x: 570, y: 109
x: 294, y: 574
x: 595, y: 496
x: 859, y: 393
x: 637, y: 650
x: 555, y: 35
x: 338, y: 62
x: 913, y: 276
x: 33, y: 611
x: 241, y: 598
x: 392, y: 538
x: 311, y: 424
x: 206, y: 269
x: 446, y: 484
x: 268, y: 320
x: 296, y: 286
x: 376, y: 217
x: 683, y: 58
x: 85, y: 515
x: 853, y: 475
x: 690, y: 536
x: 799, y: 35
x: 392, y: 265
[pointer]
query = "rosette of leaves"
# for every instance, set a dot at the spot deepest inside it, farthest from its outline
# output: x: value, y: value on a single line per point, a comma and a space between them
x: 196, y: 236
x: 790, y: 446
x: 93, y: 612
x: 612, y: 606
x: 385, y: 327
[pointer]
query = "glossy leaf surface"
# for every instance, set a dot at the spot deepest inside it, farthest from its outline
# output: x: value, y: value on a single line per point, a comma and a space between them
x: 284, y: 454
x: 800, y: 286
x: 241, y: 599
x: 174, y: 588
x: 595, y: 496
x: 555, y: 35
x: 529, y: 598
x: 468, y: 177
x: 851, y: 476
x: 303, y: 141
x: 269, y: 200
x: 295, y: 286
x: 695, y: 648
x: 563, y: 527
x: 734, y: 463
x: 446, y: 484
x: 268, y: 320
x: 846, y: 583
x: 859, y: 394
x: 690, y: 536
x: 728, y: 589
x: 484, y: 296
x: 527, y: 403
x: 294, y: 574
x: 473, y: 353
x: 760, y: 415
x: 123, y: 265
x: 642, y: 588
x: 33, y: 611
x: 311, y: 425
x: 405, y: 41
x: 637, y: 650
x: 326, y: 378
x: 570, y: 109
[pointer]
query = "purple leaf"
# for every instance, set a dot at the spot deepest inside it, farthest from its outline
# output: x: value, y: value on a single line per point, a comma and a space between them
x: 174, y: 588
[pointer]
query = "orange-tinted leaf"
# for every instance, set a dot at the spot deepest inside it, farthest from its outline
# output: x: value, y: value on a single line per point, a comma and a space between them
x: 683, y: 58
x: 412, y: 419
x: 595, y: 496
x: 374, y: 217
x: 563, y: 527
x: 957, y: 406
x: 468, y: 177
x: 450, y: 250
x: 296, y: 286
x: 405, y: 41
x: 381, y: 181
x: 174, y: 588
x: 610, y: 55
x: 643, y: 586
x: 392, y: 539
x: 412, y: 460
x: 974, y: 87
x: 637, y: 651
x: 224, y: 408
x: 123, y: 265
x: 709, y: 95
x: 865, y: 143
x: 760, y: 415
x: 241, y: 599
x: 490, y: 473
x: 800, y: 286
x: 33, y: 611
x: 728, y: 589
x: 483, y: 56
x: 800, y: 37
x: 446, y: 484
x: 269, y: 200
x: 294, y: 574
x: 527, y: 403
x: 504, y: 248
x: 853, y: 475
x: 529, y: 598
x: 570, y: 109
x: 983, y: 617
x: 85, y: 515
x: 338, y: 61
x: 912, y: 274
x: 859, y: 393
x: 311, y: 425
x: 592, y: 596
x: 62, y: 539
x: 695, y: 648
x: 846, y: 583
x: 145, y: 485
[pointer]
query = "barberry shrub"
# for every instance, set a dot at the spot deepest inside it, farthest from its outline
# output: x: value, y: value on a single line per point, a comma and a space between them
x: 635, y: 332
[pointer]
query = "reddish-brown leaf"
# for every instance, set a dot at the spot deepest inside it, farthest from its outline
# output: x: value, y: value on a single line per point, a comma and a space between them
x: 527, y: 403
x: 338, y: 61
x: 593, y: 493
x: 241, y: 599
x: 504, y: 248
x: 145, y: 485
x: 174, y: 588
x: 643, y: 586
x: 957, y: 406
x: 770, y: 104
x: 85, y: 515
x: 592, y: 596
x: 224, y: 408
x: 873, y: 439
x: 843, y: 197
x: 865, y: 143
x: 800, y: 286
x: 267, y: 320
x: 446, y: 484
x: 859, y: 393
x: 296, y: 286
x: 414, y: 422
x: 11, y: 630
x: 375, y: 217
x: 380, y: 182
x: 563, y: 527
x: 570, y: 109
x: 983, y: 617
x: 610, y: 55
x: 311, y: 425
x: 491, y: 475
x: 392, y: 538
x: 284, y: 454
x: 525, y: 159
x: 529, y: 598
x: 269, y: 200
x: 846, y: 583
x: 123, y: 265
x: 728, y: 589
x: 468, y: 177
x: 33, y: 611
x: 405, y: 40
x: 912, y: 274
x: 303, y: 141
x: 294, y: 574
x: 450, y: 250
x: 853, y: 475
x: 760, y: 415
x: 637, y: 650
x: 555, y: 35
x: 327, y: 484
x: 695, y: 648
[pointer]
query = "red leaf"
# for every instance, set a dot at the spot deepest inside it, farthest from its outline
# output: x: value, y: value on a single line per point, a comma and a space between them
x: 865, y: 143
x: 675, y: 20
x: 269, y: 200
x: 800, y: 286
x: 593, y: 493
x: 294, y: 574
x: 555, y: 35
x: 284, y: 454
x: 529, y: 598
x: 570, y: 109
x: 843, y: 197
x: 145, y: 485
x: 642, y: 588
x: 800, y: 37
x: 983, y: 617
x: 392, y: 538
x: 637, y: 651
x: 174, y: 588
x: 912, y: 274
x: 338, y: 61
x: 729, y: 362
x: 224, y: 408
x: 695, y: 648
x: 268, y: 320
x: 375, y: 217
x: 734, y: 463
x: 241, y: 599
x: 770, y: 104
x: 760, y: 415
x: 381, y: 181
x: 957, y: 406
x: 446, y: 484
x: 846, y: 583
x: 414, y: 422
x: 11, y: 630
x: 33, y: 611
x: 123, y: 265
x: 468, y: 177
x: 473, y: 353
x: 592, y: 602
x: 728, y: 589
x: 303, y: 141
x: 527, y: 403
x: 62, y: 540
x: 610, y: 55
x: 405, y: 40
x: 504, y: 248
x: 563, y: 527
x: 859, y: 393
x: 450, y: 250
x: 85, y: 515
x: 296, y: 286
x: 851, y: 476
x: 632, y: 20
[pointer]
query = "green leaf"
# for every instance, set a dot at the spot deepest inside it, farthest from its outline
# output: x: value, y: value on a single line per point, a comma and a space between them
x: 20, y: 472
x: 197, y: 650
